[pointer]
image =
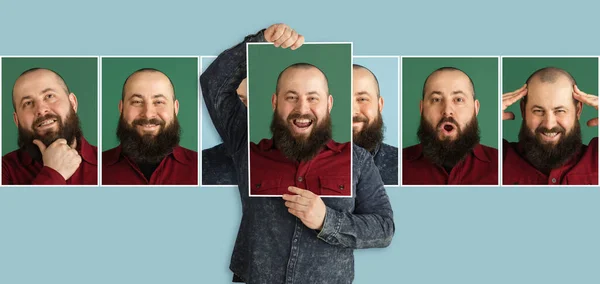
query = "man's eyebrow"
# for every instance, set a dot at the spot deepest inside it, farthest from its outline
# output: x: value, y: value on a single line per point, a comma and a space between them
x: 435, y: 93
x: 459, y: 92
x: 136, y: 96
x: 47, y: 90
x: 25, y: 98
x: 291, y: 92
x: 362, y: 93
x: 159, y: 96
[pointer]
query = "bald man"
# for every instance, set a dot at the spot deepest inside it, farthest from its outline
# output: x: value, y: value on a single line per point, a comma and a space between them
x: 52, y: 150
x: 449, y: 151
x: 550, y: 150
x: 149, y: 132
x: 367, y: 124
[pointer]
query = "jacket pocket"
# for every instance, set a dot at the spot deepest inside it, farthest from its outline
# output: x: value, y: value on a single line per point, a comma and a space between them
x: 335, y: 185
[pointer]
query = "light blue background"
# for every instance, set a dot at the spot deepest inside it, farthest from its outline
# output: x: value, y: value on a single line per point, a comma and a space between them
x: 185, y: 235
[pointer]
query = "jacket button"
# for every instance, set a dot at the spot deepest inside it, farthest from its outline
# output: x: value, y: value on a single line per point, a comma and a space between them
x: 553, y: 180
x: 300, y: 179
x: 341, y: 186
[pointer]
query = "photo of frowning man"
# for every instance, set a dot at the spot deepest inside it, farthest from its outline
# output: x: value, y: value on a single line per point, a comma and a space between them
x: 449, y: 149
x: 368, y: 123
x: 51, y: 147
x: 301, y: 150
x: 317, y: 234
x: 149, y: 134
x: 549, y: 150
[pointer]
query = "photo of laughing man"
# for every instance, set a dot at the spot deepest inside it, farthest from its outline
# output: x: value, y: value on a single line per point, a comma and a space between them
x: 550, y: 149
x: 449, y: 151
x: 317, y: 235
x: 52, y: 149
x: 149, y: 133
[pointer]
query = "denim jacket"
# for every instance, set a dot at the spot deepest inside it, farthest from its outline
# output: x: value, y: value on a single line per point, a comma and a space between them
x: 386, y: 160
x: 272, y: 245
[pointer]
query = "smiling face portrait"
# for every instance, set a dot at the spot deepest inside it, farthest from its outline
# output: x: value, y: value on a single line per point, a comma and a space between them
x: 367, y: 123
x: 148, y: 128
x: 301, y: 123
x: 550, y: 131
x: 44, y: 108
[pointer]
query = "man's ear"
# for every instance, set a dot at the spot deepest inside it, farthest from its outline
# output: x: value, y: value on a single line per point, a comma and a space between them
x: 330, y: 102
x: 380, y: 103
x: 121, y: 107
x: 16, y: 119
x: 522, y: 104
x: 274, y: 101
x: 176, y: 105
x: 73, y: 100
x: 421, y: 107
x: 476, y: 107
x: 579, y: 108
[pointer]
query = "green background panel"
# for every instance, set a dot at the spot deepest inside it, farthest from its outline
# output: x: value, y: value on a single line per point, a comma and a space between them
x: 265, y: 62
x: 184, y: 75
x: 80, y: 75
x: 515, y: 72
x: 483, y: 72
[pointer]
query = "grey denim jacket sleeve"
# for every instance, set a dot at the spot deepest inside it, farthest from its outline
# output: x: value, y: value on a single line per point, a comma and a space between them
x: 371, y: 224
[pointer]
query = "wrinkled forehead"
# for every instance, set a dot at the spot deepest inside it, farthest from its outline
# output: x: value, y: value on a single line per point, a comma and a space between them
x: 148, y: 85
x: 304, y: 80
x: 36, y: 82
x: 550, y: 95
x: 447, y: 83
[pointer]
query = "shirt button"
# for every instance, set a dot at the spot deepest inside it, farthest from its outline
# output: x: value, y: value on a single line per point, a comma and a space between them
x: 257, y: 185
x: 341, y: 186
x: 553, y: 180
x: 300, y: 179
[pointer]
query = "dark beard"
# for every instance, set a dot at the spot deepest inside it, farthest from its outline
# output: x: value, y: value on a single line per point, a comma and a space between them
x: 300, y: 149
x: 546, y: 157
x: 447, y: 153
x: 148, y: 149
x: 371, y: 135
x: 69, y: 130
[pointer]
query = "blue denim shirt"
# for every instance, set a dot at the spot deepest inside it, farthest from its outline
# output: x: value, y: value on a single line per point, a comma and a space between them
x: 217, y: 167
x: 386, y: 160
x: 273, y: 246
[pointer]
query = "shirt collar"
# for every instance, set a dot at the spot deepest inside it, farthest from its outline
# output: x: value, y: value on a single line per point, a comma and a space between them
x: 267, y: 144
x: 88, y: 153
x: 114, y: 156
x: 478, y: 152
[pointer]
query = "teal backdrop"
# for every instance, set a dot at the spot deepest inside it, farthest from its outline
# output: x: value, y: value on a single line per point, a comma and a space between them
x: 81, y: 77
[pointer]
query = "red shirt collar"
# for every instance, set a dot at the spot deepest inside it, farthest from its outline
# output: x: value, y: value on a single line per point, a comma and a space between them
x: 88, y: 153
x: 114, y: 156
x: 267, y: 144
x: 478, y: 152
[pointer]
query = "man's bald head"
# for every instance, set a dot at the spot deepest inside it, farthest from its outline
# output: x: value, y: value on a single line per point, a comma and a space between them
x: 299, y: 66
x: 358, y: 68
x: 142, y: 71
x: 24, y: 76
x: 549, y: 75
x: 447, y: 69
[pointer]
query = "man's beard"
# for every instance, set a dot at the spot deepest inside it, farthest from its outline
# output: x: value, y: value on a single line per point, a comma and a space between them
x: 544, y: 156
x: 148, y: 149
x: 446, y: 152
x: 69, y: 130
x: 301, y: 148
x: 372, y: 133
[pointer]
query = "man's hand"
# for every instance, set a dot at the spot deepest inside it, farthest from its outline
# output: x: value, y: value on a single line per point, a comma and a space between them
x: 589, y: 100
x: 284, y: 36
x: 307, y: 206
x: 60, y: 157
x: 510, y: 98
